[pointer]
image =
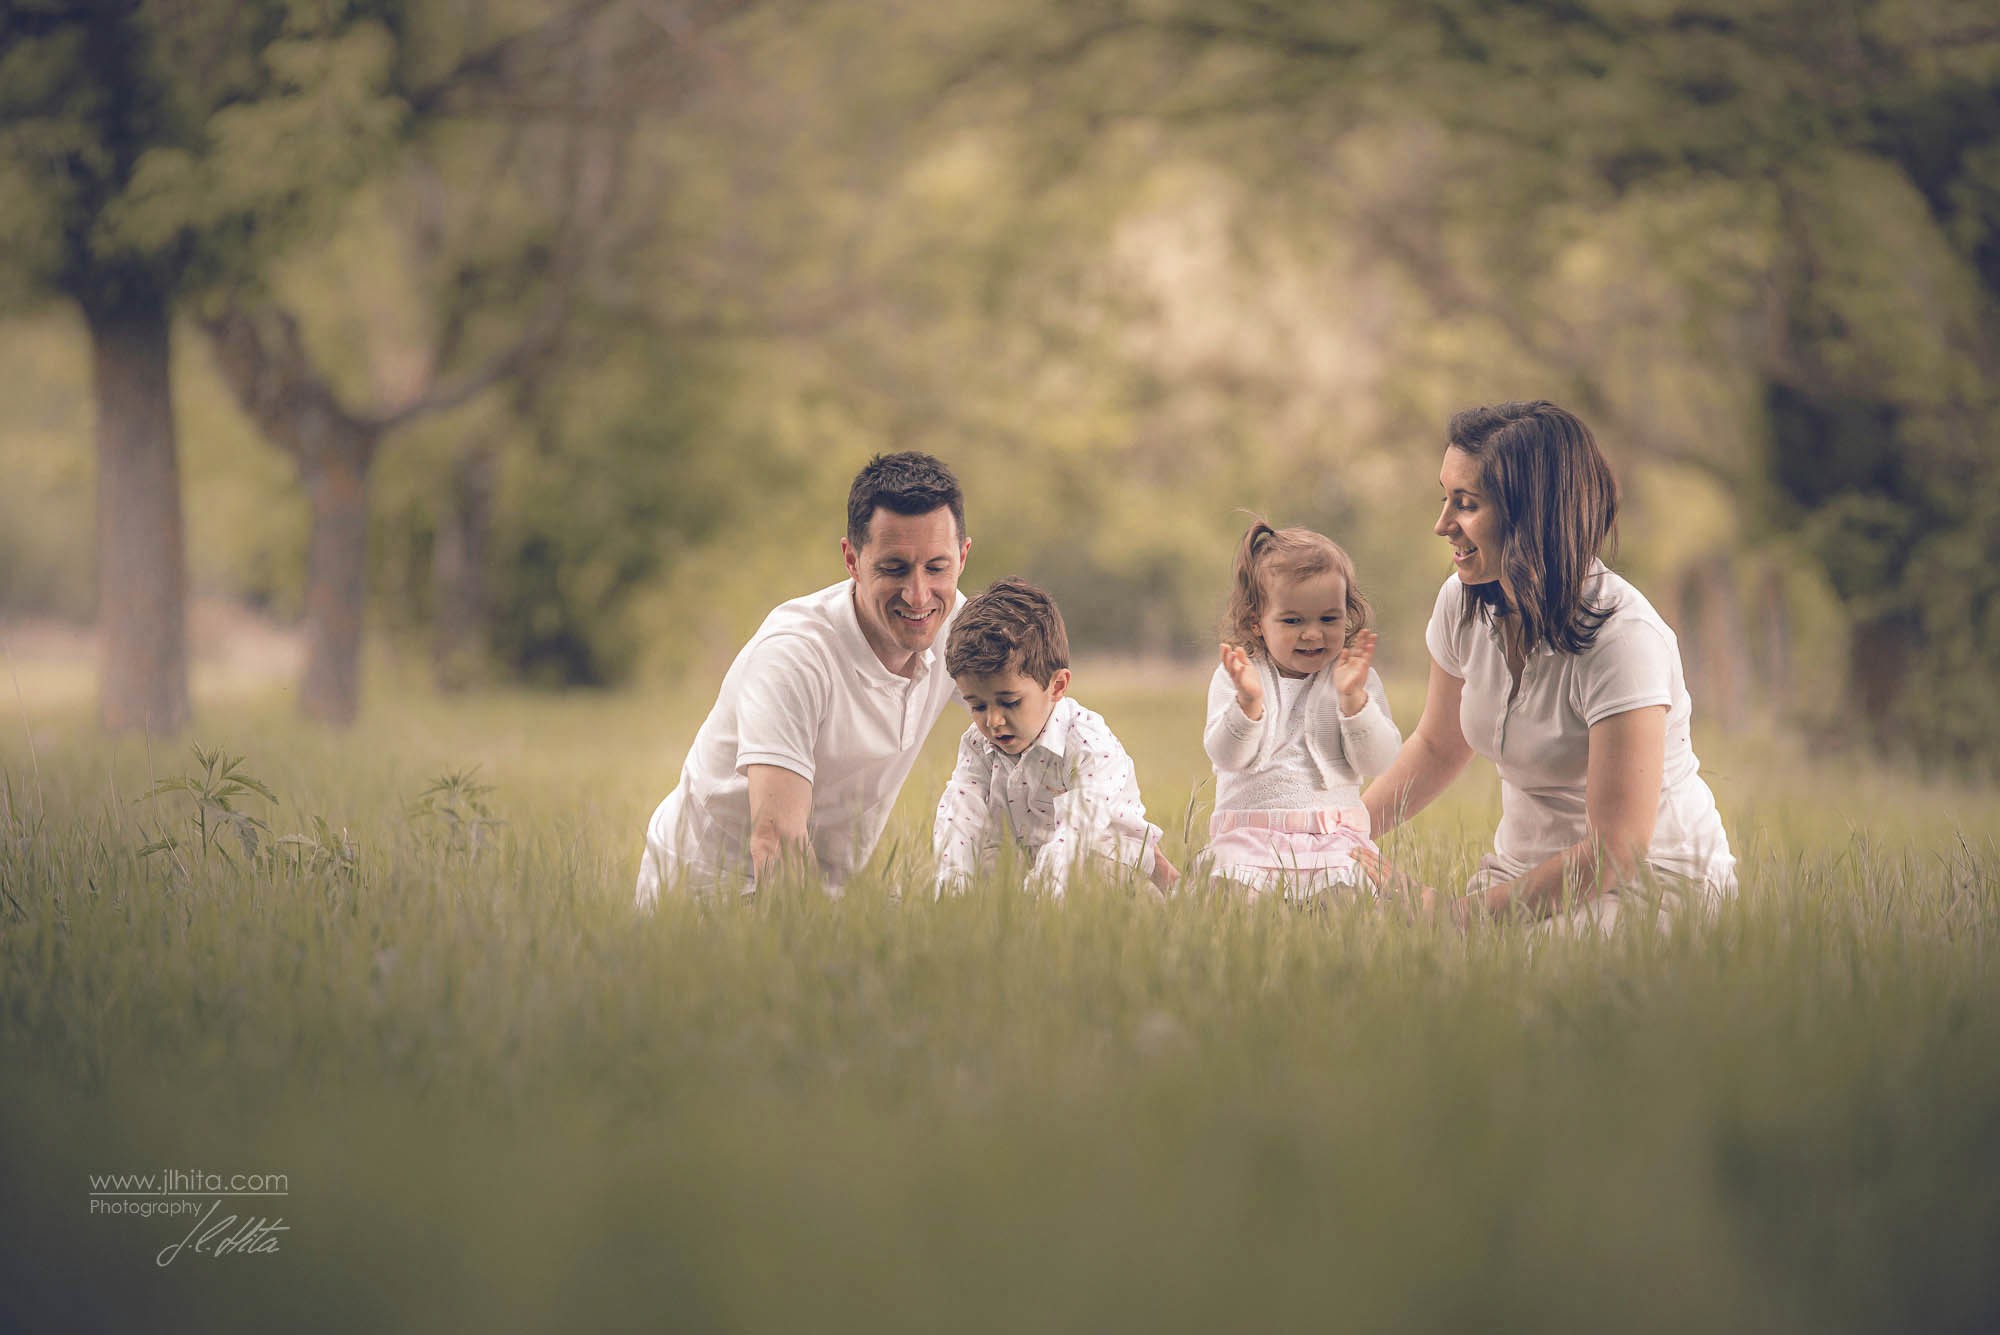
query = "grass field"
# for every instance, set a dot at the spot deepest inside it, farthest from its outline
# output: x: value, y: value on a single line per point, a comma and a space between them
x: 499, y: 1100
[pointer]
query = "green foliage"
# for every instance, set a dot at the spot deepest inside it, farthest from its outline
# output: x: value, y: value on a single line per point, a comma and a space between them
x: 1132, y: 268
x: 454, y: 816
x: 213, y: 795
x: 46, y: 558
x: 1948, y: 709
x: 1816, y: 193
x: 184, y: 141
x: 322, y: 122
x: 320, y: 852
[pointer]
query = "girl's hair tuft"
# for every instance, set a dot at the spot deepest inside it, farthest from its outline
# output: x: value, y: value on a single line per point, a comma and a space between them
x: 1267, y: 553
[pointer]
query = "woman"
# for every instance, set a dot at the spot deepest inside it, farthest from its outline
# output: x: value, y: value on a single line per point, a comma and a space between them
x: 1556, y: 669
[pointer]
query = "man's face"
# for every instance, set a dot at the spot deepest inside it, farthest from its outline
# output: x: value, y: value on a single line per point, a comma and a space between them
x: 905, y: 575
x: 1011, y: 708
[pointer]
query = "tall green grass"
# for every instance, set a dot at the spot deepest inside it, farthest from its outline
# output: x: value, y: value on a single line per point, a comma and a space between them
x: 504, y: 1101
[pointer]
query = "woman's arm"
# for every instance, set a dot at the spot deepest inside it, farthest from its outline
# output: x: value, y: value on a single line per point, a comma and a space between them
x: 1621, y: 802
x: 1430, y: 759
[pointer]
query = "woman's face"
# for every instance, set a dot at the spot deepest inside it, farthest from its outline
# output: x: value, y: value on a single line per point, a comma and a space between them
x: 1469, y: 522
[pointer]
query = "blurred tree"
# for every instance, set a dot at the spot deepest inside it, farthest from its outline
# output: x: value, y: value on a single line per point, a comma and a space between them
x: 148, y: 151
x: 262, y: 353
x: 509, y: 200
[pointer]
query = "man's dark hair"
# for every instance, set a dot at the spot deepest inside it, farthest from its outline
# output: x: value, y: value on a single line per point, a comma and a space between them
x: 1011, y: 626
x: 905, y: 484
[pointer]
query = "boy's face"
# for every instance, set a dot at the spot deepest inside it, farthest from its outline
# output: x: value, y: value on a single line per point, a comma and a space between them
x: 1303, y: 622
x: 905, y: 575
x: 1011, y: 708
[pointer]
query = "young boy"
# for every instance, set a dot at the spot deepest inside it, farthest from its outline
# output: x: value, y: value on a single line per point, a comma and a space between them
x: 1034, y: 764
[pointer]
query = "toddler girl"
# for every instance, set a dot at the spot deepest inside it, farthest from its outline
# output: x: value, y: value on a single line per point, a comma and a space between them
x: 1296, y: 717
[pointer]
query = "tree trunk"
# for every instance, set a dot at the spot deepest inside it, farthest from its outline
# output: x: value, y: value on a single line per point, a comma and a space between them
x: 1776, y: 666
x: 1726, y: 665
x: 1878, y: 656
x: 336, y: 482
x: 1707, y: 617
x: 261, y: 355
x: 141, y: 552
x: 459, y: 570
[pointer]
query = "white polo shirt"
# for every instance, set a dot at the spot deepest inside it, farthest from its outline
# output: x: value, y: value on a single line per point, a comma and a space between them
x: 1540, y: 741
x: 808, y: 695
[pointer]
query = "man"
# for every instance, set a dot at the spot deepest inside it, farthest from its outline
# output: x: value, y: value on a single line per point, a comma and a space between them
x: 823, y: 712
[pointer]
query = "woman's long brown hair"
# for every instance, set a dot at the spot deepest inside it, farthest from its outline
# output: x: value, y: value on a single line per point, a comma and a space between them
x: 1540, y: 467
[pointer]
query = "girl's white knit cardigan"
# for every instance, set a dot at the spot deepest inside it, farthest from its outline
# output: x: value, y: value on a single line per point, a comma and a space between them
x: 1367, y: 743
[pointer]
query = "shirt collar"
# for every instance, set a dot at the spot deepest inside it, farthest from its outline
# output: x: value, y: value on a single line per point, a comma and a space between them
x: 1055, y: 733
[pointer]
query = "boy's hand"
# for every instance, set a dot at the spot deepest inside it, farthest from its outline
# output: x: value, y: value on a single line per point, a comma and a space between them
x: 1249, y: 681
x: 1350, y: 673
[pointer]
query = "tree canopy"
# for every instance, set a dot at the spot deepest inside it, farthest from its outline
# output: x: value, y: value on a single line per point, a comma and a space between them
x: 1135, y: 266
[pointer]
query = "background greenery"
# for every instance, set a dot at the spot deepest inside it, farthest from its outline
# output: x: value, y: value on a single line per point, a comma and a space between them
x: 1132, y: 267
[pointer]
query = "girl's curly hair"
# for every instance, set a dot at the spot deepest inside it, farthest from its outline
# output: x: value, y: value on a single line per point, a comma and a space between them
x: 1267, y: 554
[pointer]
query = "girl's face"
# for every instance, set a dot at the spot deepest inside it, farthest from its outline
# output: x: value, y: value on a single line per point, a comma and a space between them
x: 1303, y: 622
x: 1469, y: 521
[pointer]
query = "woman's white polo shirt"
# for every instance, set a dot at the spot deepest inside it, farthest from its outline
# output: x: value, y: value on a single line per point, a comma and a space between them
x: 1540, y: 740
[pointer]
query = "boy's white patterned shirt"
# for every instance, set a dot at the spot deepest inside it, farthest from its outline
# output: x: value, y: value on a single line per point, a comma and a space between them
x: 1072, y: 794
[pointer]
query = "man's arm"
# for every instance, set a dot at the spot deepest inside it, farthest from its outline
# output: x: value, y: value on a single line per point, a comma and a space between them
x: 780, y: 806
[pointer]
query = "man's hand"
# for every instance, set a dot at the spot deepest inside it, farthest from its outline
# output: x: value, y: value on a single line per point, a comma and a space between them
x: 1249, y: 681
x: 1350, y: 673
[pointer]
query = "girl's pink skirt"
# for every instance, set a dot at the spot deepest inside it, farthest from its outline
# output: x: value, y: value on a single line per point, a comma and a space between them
x: 1298, y: 852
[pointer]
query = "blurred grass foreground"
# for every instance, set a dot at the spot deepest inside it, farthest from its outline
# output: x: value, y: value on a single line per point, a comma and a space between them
x: 409, y: 984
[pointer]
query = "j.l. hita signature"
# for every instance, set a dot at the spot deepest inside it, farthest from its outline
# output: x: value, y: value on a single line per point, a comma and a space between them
x: 225, y: 1237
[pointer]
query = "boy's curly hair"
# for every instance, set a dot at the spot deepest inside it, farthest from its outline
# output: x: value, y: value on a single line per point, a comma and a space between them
x: 1011, y: 625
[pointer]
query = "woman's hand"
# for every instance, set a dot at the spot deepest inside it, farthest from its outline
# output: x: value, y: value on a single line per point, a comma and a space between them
x: 1249, y: 681
x: 1350, y: 673
x: 1389, y: 880
x: 1423, y: 903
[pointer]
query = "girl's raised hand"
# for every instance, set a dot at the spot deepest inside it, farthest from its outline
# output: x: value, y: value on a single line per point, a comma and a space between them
x: 1350, y: 673
x: 1249, y: 681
